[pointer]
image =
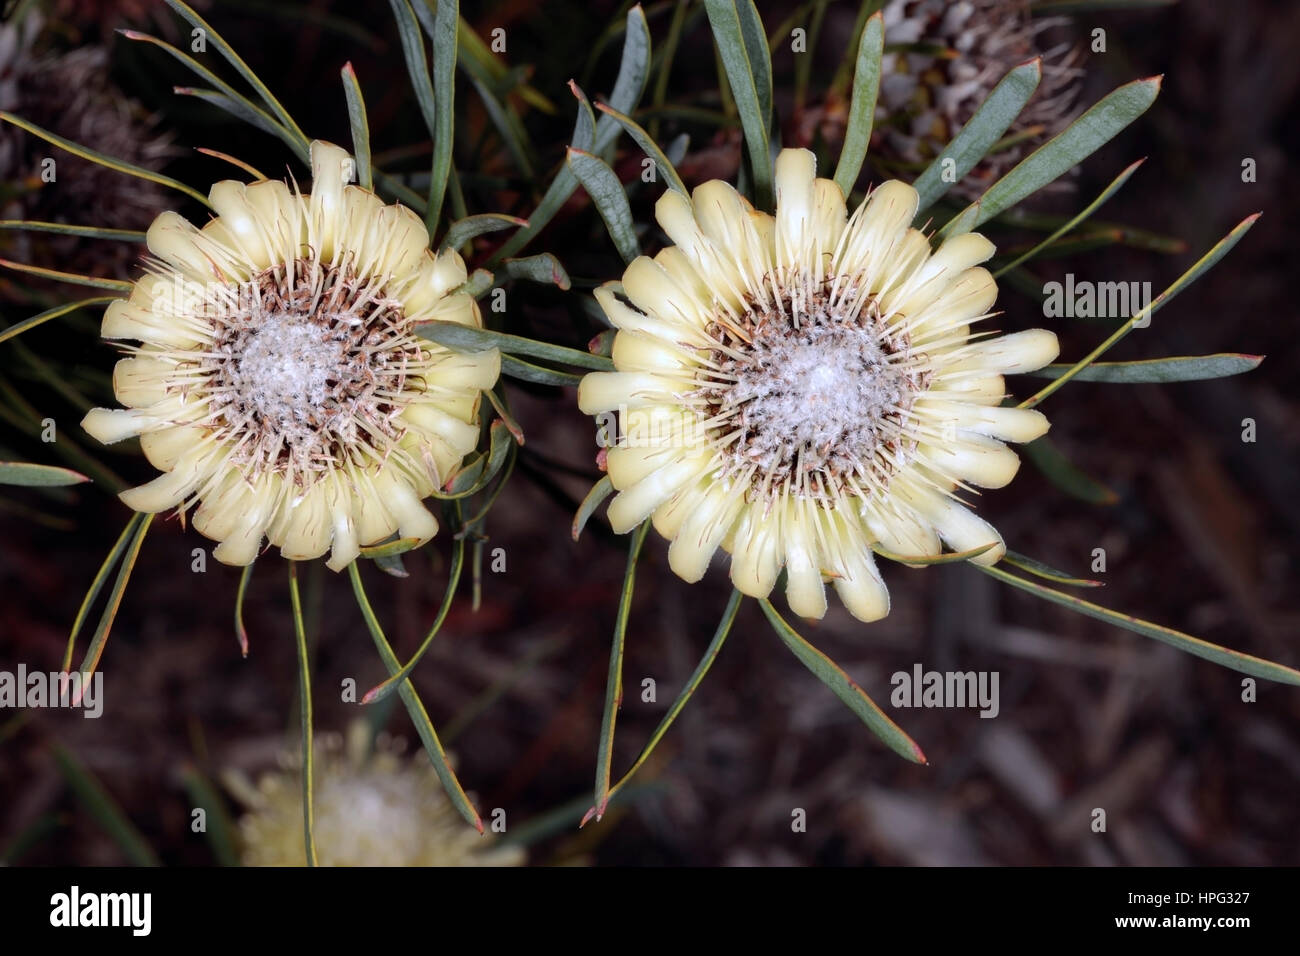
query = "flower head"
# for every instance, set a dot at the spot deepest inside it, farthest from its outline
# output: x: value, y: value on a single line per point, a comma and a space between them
x: 377, y: 810
x: 800, y: 388
x: 279, y: 382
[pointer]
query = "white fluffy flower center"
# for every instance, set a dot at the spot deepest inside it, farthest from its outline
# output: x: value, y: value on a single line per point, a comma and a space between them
x: 310, y: 366
x: 816, y: 394
x: 810, y: 392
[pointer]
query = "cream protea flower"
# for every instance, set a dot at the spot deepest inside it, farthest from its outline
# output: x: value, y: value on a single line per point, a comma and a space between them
x: 280, y: 382
x: 798, y: 389
x: 378, y: 810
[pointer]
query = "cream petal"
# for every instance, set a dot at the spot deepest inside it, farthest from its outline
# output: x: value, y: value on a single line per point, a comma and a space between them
x: 165, y: 446
x: 608, y: 391
x: 307, y: 527
x: 878, y: 226
x: 141, y: 381
x: 1005, y: 422
x: 436, y: 278
x: 245, y: 225
x: 331, y: 167
x: 857, y: 582
x: 639, y: 352
x: 796, y: 170
x: 899, y: 529
x: 830, y: 213
x: 634, y: 504
x: 460, y: 308
x: 652, y: 290
x: 757, y: 552
x: 428, y: 417
x: 804, y: 590
x: 125, y: 319
x: 112, y: 425
x: 399, y: 242
x: 703, y: 530
x: 670, y: 515
x: 468, y: 371
x: 626, y: 318
x: 223, y: 507
x: 414, y: 520
x: 370, y: 511
x: 960, y: 528
x: 1018, y: 352
x: 743, y: 257
x: 977, y: 390
x: 345, y: 548
x: 969, y: 295
x: 176, y: 240
x: 976, y: 459
x: 171, y: 488
x: 244, y: 541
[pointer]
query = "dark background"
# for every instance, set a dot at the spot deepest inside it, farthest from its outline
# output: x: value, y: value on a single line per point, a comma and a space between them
x: 1201, y: 537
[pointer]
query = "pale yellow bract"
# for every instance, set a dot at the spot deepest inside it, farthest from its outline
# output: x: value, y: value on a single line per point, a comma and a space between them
x: 279, y: 383
x: 799, y: 388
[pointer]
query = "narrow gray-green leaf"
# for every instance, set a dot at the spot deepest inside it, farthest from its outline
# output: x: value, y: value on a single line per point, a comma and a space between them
x: 445, y: 26
x: 730, y: 31
x: 305, y: 720
x: 65, y: 229
x: 359, y: 123
x: 1143, y: 316
x: 610, y: 199
x: 465, y: 338
x: 844, y: 687
x: 598, y: 493
x: 973, y: 142
x: 463, y: 230
x: 38, y: 476
x: 1234, y: 660
x: 688, y: 690
x: 1088, y: 210
x: 417, y: 61
x: 1096, y: 127
x: 528, y: 372
x: 18, y: 328
x: 1039, y: 569
x: 862, y: 108
x: 109, y: 162
x: 415, y: 707
x: 233, y: 58
x: 102, y: 808
x: 628, y: 87
x: 648, y: 146
x: 243, y: 111
x: 1179, y: 368
x: 614, y: 681
x: 543, y: 267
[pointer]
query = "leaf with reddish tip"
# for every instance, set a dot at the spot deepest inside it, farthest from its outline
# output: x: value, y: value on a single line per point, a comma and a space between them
x: 1234, y: 660
x: 844, y: 687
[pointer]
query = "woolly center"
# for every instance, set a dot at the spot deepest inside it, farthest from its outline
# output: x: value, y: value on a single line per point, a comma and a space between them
x: 309, y: 368
x: 809, y: 391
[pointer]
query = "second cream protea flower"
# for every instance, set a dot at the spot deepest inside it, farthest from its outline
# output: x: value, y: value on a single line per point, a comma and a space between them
x: 280, y: 383
x: 800, y: 388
